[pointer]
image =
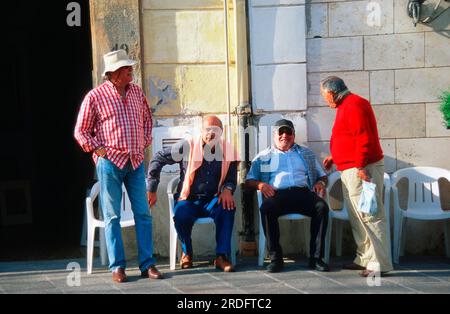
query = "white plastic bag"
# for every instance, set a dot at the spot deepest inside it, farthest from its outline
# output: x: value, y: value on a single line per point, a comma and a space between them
x: 368, y: 199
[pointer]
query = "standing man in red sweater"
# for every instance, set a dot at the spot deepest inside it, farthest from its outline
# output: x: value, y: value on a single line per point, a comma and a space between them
x: 356, y: 152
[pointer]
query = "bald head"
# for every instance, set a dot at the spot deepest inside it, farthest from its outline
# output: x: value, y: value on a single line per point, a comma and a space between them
x: 212, y: 129
x: 209, y: 121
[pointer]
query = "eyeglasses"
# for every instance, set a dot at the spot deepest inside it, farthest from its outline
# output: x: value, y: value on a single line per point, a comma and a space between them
x: 285, y: 130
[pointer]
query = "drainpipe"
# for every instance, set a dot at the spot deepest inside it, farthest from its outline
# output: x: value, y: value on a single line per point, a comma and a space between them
x: 245, y: 118
x: 245, y: 115
x: 227, y: 66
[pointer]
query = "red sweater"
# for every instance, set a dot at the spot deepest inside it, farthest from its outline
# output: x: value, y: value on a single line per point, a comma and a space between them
x: 354, y: 141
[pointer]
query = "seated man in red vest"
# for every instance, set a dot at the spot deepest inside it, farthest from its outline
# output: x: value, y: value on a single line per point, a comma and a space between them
x: 208, y: 178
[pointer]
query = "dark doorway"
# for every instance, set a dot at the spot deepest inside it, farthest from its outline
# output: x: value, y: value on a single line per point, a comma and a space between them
x: 46, y: 73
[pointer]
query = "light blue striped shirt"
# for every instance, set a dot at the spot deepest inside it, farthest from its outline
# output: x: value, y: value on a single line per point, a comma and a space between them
x: 289, y: 172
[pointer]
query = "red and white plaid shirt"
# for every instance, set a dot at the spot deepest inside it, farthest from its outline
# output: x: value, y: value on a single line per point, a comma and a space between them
x: 123, y: 127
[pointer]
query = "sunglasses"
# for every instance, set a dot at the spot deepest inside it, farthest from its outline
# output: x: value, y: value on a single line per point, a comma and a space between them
x: 285, y: 130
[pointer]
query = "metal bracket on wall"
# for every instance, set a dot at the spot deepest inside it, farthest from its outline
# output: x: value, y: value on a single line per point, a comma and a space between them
x: 414, y: 10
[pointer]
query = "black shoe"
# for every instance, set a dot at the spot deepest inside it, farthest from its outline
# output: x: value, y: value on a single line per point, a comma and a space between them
x: 275, y: 266
x: 318, y: 264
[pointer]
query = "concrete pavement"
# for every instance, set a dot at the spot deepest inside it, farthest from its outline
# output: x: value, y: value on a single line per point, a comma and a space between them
x: 414, y: 275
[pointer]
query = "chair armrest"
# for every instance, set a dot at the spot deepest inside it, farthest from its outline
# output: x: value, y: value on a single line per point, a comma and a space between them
x: 387, y: 194
x: 260, y: 198
x: 95, y: 190
x: 171, y: 187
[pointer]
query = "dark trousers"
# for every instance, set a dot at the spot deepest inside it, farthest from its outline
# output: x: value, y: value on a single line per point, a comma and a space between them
x: 295, y: 201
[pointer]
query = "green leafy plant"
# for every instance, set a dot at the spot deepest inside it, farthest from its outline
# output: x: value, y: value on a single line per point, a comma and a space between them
x: 445, y: 107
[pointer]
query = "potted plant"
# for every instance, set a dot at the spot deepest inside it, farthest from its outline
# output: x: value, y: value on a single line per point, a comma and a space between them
x: 445, y: 107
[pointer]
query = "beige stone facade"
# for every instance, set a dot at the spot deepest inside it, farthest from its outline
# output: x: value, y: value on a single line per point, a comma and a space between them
x: 181, y: 46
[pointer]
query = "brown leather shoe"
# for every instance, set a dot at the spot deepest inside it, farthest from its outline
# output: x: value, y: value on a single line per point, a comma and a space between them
x: 368, y: 272
x: 224, y: 264
x: 119, y: 275
x: 153, y: 273
x: 186, y: 262
x: 353, y: 266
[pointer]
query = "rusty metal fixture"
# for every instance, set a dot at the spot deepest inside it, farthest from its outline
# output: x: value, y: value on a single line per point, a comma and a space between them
x: 244, y: 112
x: 414, y: 11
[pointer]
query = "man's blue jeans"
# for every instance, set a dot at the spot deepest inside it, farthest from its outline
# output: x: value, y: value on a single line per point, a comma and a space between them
x: 111, y: 179
x: 187, y: 212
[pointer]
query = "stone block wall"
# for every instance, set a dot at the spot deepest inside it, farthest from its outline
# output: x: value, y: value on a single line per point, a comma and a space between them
x: 401, y: 69
x: 184, y: 70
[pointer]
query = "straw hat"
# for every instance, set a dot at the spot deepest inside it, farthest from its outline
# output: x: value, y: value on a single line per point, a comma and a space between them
x: 115, y: 60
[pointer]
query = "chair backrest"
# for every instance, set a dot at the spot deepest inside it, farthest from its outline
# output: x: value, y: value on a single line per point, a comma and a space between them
x: 126, y: 212
x: 94, y: 191
x: 164, y: 137
x: 173, y: 185
x: 334, y: 177
x: 423, y: 186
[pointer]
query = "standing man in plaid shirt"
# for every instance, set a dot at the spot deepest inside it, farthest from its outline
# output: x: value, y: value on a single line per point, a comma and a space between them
x: 115, y: 124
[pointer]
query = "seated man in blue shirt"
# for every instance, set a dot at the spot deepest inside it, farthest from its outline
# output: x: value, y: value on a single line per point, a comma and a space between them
x: 208, y: 178
x: 291, y: 180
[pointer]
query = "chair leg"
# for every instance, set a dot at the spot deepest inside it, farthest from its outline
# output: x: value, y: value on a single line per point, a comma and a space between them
x: 447, y: 237
x: 233, y: 248
x: 328, y: 240
x: 261, y: 244
x: 339, y: 227
x: 103, y: 250
x: 398, y: 226
x: 173, y: 245
x: 403, y: 234
x: 90, y: 248
x: 396, y: 242
x: 388, y: 235
x: 306, y: 235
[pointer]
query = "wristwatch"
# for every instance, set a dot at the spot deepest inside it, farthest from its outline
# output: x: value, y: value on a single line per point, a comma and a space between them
x: 228, y: 188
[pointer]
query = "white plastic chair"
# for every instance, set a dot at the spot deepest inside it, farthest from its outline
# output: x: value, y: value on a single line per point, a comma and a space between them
x: 423, y: 203
x: 342, y: 215
x: 171, y: 190
x: 126, y: 220
x: 262, y: 237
